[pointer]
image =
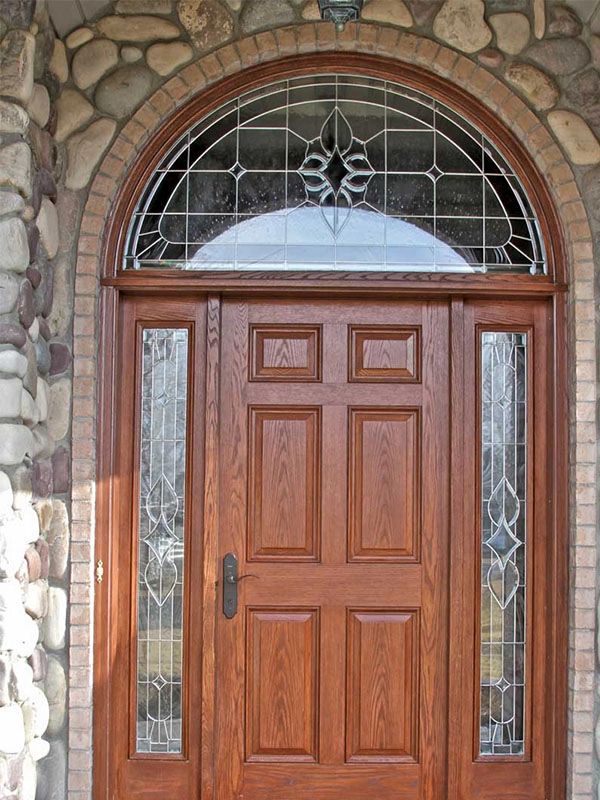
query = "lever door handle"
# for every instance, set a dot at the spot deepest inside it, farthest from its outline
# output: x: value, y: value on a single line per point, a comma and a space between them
x: 230, y: 582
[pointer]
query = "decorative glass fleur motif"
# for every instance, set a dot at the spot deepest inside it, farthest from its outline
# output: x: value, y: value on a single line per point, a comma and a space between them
x: 504, y: 543
x: 336, y: 171
x: 503, y: 510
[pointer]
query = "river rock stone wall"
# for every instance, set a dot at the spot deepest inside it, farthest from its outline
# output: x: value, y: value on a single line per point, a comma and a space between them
x: 66, y: 104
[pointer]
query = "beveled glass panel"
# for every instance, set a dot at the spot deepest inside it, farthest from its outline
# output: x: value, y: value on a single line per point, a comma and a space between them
x: 503, y: 543
x: 333, y: 147
x: 161, y: 540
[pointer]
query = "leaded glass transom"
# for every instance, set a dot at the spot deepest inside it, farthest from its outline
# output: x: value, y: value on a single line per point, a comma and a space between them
x: 335, y: 172
x: 504, y: 542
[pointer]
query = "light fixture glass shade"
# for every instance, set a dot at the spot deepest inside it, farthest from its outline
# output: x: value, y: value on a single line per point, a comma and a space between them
x: 340, y: 11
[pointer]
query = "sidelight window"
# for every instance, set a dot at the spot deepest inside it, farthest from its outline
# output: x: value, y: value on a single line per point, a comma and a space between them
x: 161, y: 540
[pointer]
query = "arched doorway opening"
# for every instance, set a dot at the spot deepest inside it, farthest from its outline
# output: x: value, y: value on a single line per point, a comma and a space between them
x: 367, y: 434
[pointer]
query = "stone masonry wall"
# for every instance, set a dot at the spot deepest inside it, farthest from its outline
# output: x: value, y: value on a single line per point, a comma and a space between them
x: 35, y: 388
x: 73, y: 116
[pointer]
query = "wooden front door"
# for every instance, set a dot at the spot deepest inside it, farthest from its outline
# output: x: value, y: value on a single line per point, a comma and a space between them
x: 354, y: 459
x: 332, y: 675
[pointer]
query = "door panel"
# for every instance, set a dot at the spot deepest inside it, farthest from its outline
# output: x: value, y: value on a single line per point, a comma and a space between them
x: 334, y: 664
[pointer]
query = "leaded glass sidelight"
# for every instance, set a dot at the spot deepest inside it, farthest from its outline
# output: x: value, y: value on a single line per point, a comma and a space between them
x: 161, y: 540
x: 335, y: 172
x: 504, y: 543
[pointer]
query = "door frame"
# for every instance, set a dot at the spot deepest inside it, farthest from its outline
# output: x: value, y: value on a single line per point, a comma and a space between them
x: 115, y: 284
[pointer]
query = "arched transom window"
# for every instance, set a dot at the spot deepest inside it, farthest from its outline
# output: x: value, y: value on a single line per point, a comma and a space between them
x: 335, y: 172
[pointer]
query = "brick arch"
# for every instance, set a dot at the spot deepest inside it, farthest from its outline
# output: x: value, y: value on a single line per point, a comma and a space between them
x: 405, y: 48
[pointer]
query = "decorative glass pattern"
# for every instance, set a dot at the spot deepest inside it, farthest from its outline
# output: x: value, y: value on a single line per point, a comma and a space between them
x: 504, y: 551
x: 161, y: 540
x: 335, y: 172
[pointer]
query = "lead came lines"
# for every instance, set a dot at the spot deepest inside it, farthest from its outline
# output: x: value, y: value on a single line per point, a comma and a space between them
x: 503, y: 609
x: 335, y: 173
x: 160, y: 578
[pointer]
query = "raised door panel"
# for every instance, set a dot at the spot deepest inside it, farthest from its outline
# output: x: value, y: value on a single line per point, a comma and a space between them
x: 382, y: 685
x: 282, y: 684
x: 285, y: 353
x: 284, y: 484
x: 384, y: 489
x: 384, y: 354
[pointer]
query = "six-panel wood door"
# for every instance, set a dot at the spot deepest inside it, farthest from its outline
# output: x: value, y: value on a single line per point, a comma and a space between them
x: 334, y: 449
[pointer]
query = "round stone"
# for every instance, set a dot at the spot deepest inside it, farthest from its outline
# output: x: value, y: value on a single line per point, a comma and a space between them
x: 38, y: 749
x: 84, y: 151
x: 165, y: 58
x: 13, y: 118
x: 9, y: 292
x: 15, y: 442
x: 73, y: 111
x: 11, y: 362
x: 47, y: 223
x: 15, y: 167
x: 10, y: 397
x: 39, y: 105
x: 575, y: 135
x: 58, y: 540
x: 34, y: 564
x: 584, y: 89
x: 38, y: 662
x: 390, y: 12
x: 35, y: 714
x: 45, y: 510
x: 207, y: 22
x: 58, y: 65
x: 55, y: 624
x: 36, y: 599
x: 536, y: 86
x: 22, y: 488
x: 10, y: 203
x: 14, y: 247
x: 60, y: 468
x: 461, y: 23
x: 59, y: 409
x: 42, y: 356
x: 123, y: 91
x: 131, y: 54
x: 137, y: 28
x: 78, y: 37
x: 512, y: 30
x: 22, y: 680
x: 564, y: 22
x: 42, y: 399
x: 29, y: 411
x: 26, y: 305
x: 591, y: 188
x: 93, y: 60
x: 560, y: 56
x: 259, y: 15
x: 56, y: 692
x: 60, y: 358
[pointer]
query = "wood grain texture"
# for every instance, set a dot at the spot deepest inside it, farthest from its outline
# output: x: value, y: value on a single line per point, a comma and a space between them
x: 396, y: 647
x: 282, y: 666
x: 384, y: 354
x: 382, y: 685
x: 385, y: 458
x: 280, y: 353
x: 284, y: 483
